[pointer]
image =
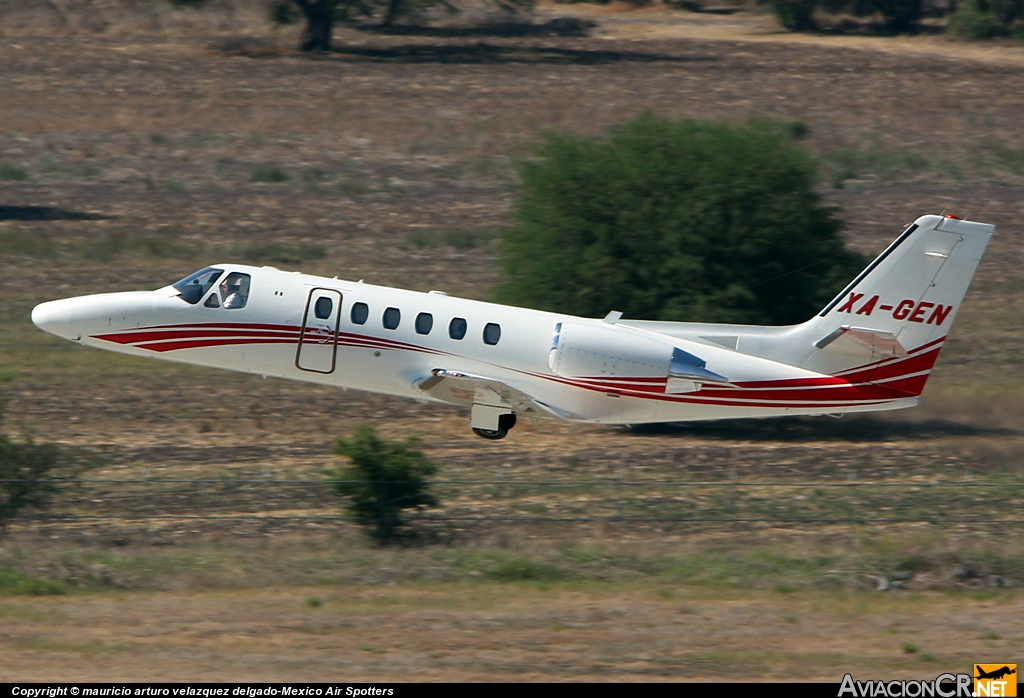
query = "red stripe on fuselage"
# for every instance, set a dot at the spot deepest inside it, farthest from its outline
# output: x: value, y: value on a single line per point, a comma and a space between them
x: 847, y: 388
x: 201, y: 337
x: 882, y: 370
x: 892, y: 360
x: 138, y: 337
x: 740, y: 399
x: 867, y: 391
x: 148, y: 338
x: 204, y: 343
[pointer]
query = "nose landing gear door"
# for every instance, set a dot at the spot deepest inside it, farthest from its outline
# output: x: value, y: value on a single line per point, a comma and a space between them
x: 318, y: 340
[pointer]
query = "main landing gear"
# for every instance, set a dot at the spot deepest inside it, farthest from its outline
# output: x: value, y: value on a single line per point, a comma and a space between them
x: 505, y: 422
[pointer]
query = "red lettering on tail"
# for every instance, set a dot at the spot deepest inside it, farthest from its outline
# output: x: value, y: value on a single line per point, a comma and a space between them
x: 868, y: 307
x: 848, y: 305
x: 938, y: 315
x: 903, y: 309
x: 918, y: 314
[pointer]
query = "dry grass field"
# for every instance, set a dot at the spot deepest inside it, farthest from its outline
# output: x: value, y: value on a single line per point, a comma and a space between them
x: 501, y: 633
x: 136, y: 151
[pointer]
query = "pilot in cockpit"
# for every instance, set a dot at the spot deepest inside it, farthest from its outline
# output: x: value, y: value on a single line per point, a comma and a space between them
x: 234, y: 290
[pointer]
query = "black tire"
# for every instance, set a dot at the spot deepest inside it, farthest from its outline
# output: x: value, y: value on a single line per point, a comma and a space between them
x: 507, y: 421
x: 492, y: 434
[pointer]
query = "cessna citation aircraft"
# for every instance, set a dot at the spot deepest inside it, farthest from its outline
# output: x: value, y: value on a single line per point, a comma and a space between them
x: 871, y: 348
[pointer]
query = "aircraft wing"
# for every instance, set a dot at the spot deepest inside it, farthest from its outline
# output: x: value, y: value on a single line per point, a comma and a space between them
x: 861, y: 341
x: 467, y: 389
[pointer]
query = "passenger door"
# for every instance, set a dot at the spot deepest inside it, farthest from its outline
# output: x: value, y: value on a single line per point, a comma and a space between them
x: 318, y: 340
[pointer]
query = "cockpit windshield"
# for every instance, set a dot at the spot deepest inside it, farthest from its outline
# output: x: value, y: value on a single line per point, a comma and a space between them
x: 194, y: 286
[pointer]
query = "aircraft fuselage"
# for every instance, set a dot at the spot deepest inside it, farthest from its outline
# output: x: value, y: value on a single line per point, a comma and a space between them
x: 503, y: 361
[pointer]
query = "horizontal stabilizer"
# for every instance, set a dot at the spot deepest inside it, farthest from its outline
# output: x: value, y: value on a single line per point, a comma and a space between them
x: 686, y: 365
x: 688, y: 373
x: 466, y: 389
x: 874, y: 345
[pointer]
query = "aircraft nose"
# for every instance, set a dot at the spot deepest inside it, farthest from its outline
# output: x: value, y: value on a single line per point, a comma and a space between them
x: 55, y: 317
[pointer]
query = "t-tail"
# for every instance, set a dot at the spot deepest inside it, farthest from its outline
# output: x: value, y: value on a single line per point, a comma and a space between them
x: 882, y: 334
x: 888, y: 325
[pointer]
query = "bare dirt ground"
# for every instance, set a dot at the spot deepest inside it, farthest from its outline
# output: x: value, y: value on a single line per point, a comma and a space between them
x: 500, y: 634
x: 725, y: 24
x: 131, y: 157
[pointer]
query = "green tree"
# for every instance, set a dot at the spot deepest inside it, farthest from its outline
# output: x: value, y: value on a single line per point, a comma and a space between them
x: 382, y: 479
x: 320, y: 15
x: 675, y: 220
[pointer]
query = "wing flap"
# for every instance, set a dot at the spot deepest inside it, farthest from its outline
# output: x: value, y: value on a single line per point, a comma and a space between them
x: 458, y: 388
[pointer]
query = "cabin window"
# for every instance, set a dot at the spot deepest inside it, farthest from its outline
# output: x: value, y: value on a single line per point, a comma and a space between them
x: 211, y: 301
x: 193, y: 287
x: 392, y: 316
x: 424, y: 323
x: 323, y: 308
x: 457, y: 328
x: 360, y: 311
x: 234, y: 290
x: 492, y: 333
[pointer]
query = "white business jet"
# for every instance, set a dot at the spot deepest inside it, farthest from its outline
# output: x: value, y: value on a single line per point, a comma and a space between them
x: 871, y: 348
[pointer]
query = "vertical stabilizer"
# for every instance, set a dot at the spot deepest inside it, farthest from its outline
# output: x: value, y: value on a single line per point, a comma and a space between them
x: 900, y: 308
x: 914, y: 288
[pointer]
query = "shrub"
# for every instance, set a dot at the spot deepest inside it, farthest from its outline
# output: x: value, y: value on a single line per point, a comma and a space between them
x: 900, y: 15
x: 269, y: 173
x: 14, y: 582
x: 795, y: 15
x: 798, y: 129
x: 14, y: 173
x: 27, y: 471
x: 513, y: 568
x: 24, y: 477
x: 986, y: 19
x: 674, y: 220
x: 383, y: 478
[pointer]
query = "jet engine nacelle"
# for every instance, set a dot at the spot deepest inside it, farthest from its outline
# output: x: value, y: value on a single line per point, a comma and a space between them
x: 601, y: 350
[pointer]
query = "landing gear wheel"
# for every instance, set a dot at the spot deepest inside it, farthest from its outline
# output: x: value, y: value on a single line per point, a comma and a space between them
x: 505, y: 422
x: 492, y: 434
